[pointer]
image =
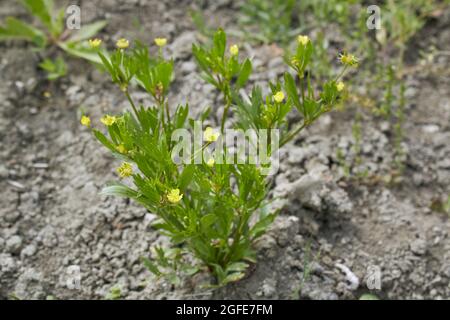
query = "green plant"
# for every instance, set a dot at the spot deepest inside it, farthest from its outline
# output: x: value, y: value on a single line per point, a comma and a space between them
x: 269, y: 21
x: 55, y: 69
x: 309, y: 259
x: 224, y: 72
x: 368, y: 296
x: 447, y: 205
x: 54, y: 34
x: 114, y: 293
x: 212, y: 209
x: 327, y: 11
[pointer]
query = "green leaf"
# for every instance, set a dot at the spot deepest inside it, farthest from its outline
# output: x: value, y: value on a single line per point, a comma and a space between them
x: 107, y: 64
x: 291, y: 90
x: 244, y: 74
x: 236, y: 276
x: 208, y: 220
x: 118, y: 189
x: 261, y: 226
x: 150, y: 266
x: 103, y: 140
x: 186, y: 176
x: 205, y: 113
x: 174, y: 279
x: 88, y: 31
x: 16, y: 29
x: 41, y: 9
x: 55, y: 69
x: 220, y: 43
x: 368, y: 296
x: 79, y: 51
x: 237, y: 267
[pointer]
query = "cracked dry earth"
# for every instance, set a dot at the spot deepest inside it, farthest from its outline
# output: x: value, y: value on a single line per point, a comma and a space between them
x: 330, y: 236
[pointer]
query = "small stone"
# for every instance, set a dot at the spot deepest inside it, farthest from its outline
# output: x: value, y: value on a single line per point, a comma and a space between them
x: 12, y: 216
x: 430, y: 128
x: 3, y: 172
x: 419, y: 247
x: 7, y: 263
x: 385, y: 126
x: 13, y: 244
x: 28, y: 251
x: 188, y: 67
x: 268, y: 288
x: 444, y: 164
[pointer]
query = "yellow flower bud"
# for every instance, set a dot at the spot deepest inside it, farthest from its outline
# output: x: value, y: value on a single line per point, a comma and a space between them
x: 125, y: 170
x: 121, y: 148
x: 234, y: 50
x: 160, y: 42
x: 278, y: 97
x: 174, y: 196
x: 348, y: 60
x: 303, y: 40
x: 85, y: 121
x: 108, y: 120
x: 122, y: 43
x: 209, y: 135
x: 94, y: 43
x: 210, y: 162
x: 340, y: 86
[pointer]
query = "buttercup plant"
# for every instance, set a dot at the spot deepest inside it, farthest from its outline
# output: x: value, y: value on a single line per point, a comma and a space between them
x: 72, y: 42
x: 215, y: 210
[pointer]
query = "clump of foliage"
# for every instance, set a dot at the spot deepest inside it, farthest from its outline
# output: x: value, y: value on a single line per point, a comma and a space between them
x: 212, y: 211
x: 269, y: 21
x: 383, y: 51
x: 52, y: 34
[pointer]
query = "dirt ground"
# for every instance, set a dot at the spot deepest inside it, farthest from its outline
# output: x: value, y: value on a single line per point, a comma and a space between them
x: 327, y: 242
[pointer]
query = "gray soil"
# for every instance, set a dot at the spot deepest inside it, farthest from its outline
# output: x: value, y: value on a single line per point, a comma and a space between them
x: 330, y: 236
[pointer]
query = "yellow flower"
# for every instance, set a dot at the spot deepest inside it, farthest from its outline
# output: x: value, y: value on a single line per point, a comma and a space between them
x: 210, y: 162
x: 47, y: 94
x: 340, y: 86
x: 108, y: 120
x: 278, y: 97
x: 94, y: 43
x: 85, y: 121
x: 348, y: 60
x: 122, y: 43
x: 174, y: 196
x: 125, y: 170
x: 209, y: 135
x: 121, y: 148
x: 161, y: 42
x: 303, y: 40
x: 234, y: 50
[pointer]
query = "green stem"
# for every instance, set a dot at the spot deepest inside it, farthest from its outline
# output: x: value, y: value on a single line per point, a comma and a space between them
x: 236, y: 239
x: 127, y: 94
x: 341, y: 74
x: 167, y: 111
x: 293, y: 133
x: 302, y: 89
x: 225, y: 112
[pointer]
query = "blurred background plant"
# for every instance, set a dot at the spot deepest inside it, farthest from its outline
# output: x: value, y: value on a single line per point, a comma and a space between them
x: 269, y: 21
x: 52, y: 34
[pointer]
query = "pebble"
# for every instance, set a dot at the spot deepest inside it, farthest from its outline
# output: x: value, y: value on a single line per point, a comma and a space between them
x: 419, y: 247
x: 7, y: 263
x: 3, y: 172
x: 28, y: 251
x: 14, y: 244
x: 12, y: 216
